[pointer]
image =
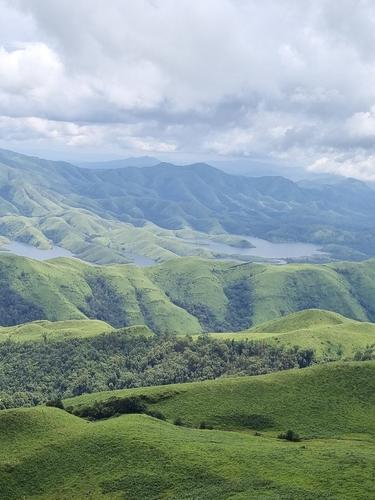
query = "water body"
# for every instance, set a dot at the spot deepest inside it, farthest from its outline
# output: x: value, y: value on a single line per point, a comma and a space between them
x: 141, y: 261
x: 262, y: 248
x: 24, y: 250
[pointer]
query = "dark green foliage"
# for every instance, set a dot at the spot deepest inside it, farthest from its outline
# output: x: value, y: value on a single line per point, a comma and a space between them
x: 14, y: 308
x: 44, y: 371
x: 290, y: 436
x: 147, y: 316
x: 305, y: 357
x: 56, y: 403
x: 111, y: 407
x: 105, y: 303
x: 156, y: 414
x: 205, y: 316
x: 240, y: 299
x: 178, y: 421
x: 205, y: 425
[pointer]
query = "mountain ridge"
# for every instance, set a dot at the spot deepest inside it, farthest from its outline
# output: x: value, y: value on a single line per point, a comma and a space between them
x: 55, y: 197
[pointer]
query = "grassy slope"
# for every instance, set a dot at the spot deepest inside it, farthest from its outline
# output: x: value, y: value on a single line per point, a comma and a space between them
x: 56, y: 330
x: 329, y: 334
x: 47, y: 453
x: 183, y: 295
x: 325, y: 400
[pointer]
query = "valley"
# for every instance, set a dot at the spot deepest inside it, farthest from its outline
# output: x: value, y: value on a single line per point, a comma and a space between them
x: 163, y: 211
x: 187, y: 250
x: 145, y: 314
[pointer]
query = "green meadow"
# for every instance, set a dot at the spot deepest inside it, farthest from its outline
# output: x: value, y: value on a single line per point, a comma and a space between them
x: 54, y: 330
x: 181, y: 296
x: 331, y: 335
x: 331, y: 400
x: 47, y: 453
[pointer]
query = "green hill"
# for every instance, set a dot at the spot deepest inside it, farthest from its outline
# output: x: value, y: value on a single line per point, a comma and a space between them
x: 329, y: 334
x: 64, y: 330
x: 54, y: 330
x: 183, y: 296
x: 47, y: 453
x: 332, y: 400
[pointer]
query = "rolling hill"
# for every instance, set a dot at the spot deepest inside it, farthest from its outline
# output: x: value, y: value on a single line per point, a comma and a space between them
x: 48, y: 453
x: 330, y: 400
x: 331, y: 335
x: 115, y: 215
x: 53, y: 330
x: 182, y: 296
x: 42, y: 360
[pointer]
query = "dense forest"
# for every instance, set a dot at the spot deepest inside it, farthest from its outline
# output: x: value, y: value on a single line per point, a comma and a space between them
x: 35, y: 372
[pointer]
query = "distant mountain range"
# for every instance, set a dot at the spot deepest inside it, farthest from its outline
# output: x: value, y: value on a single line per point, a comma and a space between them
x: 137, y: 161
x: 105, y: 215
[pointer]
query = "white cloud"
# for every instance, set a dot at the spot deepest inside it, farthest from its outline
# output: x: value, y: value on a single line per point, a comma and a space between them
x: 357, y: 166
x: 362, y: 124
x: 292, y: 79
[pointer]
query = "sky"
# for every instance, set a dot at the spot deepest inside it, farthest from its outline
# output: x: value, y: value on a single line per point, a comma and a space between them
x: 291, y: 81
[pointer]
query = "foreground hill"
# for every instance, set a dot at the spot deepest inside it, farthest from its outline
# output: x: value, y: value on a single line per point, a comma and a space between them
x: 109, y: 215
x: 335, y: 399
x: 329, y: 334
x: 47, y: 453
x: 183, y: 295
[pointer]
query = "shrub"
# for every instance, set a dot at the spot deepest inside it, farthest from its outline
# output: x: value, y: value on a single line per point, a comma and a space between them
x: 112, y: 407
x: 290, y: 436
x: 178, y: 421
x: 205, y: 425
x: 56, y: 403
x: 156, y: 414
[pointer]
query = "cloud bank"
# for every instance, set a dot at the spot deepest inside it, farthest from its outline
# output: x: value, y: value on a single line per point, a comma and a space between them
x: 291, y: 80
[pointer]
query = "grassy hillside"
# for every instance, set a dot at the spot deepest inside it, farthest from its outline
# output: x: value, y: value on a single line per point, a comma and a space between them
x: 54, y: 330
x: 329, y: 334
x: 64, y: 330
x: 336, y: 399
x: 48, y: 453
x: 181, y: 296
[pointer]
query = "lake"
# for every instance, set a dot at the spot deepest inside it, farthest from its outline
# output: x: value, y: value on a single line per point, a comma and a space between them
x: 25, y: 250
x: 261, y: 248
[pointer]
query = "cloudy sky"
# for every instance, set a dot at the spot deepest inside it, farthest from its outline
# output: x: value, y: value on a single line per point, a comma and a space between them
x: 288, y: 80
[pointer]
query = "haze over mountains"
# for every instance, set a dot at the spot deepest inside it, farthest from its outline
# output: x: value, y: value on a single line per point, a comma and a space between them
x: 92, y: 212
x: 137, y: 161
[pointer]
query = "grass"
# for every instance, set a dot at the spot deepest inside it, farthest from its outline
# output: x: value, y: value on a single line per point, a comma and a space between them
x: 331, y: 335
x: 48, y: 453
x: 332, y: 400
x: 64, y: 330
x: 54, y: 330
x: 182, y: 296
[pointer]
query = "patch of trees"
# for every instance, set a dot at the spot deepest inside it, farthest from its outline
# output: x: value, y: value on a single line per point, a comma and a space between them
x: 105, y: 303
x: 35, y: 372
x: 290, y: 435
x: 239, y: 310
x: 14, y: 308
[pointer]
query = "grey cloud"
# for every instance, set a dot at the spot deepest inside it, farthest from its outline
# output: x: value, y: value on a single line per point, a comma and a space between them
x: 292, y: 79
